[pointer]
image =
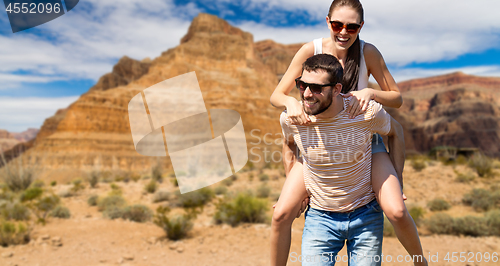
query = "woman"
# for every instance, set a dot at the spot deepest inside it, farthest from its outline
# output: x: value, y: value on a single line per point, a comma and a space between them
x: 359, y: 60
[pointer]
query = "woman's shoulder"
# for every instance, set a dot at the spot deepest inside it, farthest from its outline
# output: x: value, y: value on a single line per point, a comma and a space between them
x: 370, y: 49
x: 371, y: 52
x: 307, y: 47
x: 306, y: 51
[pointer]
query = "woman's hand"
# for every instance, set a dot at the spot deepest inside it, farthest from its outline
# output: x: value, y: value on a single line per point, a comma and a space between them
x: 359, y: 101
x: 295, y: 112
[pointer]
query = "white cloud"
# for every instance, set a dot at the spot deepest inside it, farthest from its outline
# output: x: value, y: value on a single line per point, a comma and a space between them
x: 404, y: 31
x: 87, y: 41
x: 18, y: 114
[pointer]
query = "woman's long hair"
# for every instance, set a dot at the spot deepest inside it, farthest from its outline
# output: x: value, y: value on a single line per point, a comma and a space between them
x: 351, y: 65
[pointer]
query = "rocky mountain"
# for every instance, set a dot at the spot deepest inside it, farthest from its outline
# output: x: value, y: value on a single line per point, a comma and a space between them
x: 7, y: 140
x: 26, y: 135
x: 10, y: 139
x: 95, y: 129
x: 456, y: 110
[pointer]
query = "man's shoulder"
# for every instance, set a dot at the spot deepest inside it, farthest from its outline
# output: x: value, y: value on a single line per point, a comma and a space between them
x: 373, y: 109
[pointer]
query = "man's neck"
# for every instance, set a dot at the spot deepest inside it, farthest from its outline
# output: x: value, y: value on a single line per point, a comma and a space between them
x: 336, y: 107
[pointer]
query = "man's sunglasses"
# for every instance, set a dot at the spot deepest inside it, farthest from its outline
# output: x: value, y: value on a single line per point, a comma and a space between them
x: 315, y: 88
x: 351, y: 28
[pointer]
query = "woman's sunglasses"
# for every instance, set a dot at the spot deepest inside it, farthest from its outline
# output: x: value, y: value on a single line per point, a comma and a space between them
x: 351, y: 28
x: 315, y: 88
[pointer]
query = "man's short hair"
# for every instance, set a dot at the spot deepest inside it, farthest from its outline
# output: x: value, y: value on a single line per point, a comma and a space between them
x: 327, y: 63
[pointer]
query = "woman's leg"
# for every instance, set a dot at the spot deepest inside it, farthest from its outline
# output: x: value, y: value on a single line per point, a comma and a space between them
x: 388, y: 191
x: 285, y: 211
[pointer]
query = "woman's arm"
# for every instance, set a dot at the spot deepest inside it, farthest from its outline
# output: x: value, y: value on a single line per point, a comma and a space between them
x: 389, y: 96
x: 280, y: 97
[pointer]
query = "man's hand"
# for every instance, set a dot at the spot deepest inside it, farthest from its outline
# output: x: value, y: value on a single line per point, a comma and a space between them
x: 296, y: 113
x: 359, y: 101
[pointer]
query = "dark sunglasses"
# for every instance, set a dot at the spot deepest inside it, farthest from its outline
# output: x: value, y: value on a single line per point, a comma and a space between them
x: 351, y: 28
x: 315, y: 88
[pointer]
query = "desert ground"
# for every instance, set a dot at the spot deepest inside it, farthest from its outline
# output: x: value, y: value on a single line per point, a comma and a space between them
x: 87, y: 238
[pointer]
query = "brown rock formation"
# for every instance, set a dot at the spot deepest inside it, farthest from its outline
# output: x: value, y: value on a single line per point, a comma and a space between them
x: 452, y: 110
x: 276, y: 56
x: 124, y: 72
x: 26, y: 135
x: 449, y: 80
x: 95, y: 129
x: 7, y: 140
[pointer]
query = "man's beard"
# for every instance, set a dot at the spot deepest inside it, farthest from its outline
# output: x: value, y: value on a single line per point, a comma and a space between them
x: 323, y: 106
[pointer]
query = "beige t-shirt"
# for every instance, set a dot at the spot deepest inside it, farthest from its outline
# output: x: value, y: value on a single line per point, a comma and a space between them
x: 337, y: 156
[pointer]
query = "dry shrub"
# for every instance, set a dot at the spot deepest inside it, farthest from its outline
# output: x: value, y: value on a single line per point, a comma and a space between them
x: 245, y: 208
x: 43, y: 206
x: 16, y: 175
x: 92, y: 200
x: 465, y: 177
x: 110, y: 202
x: 31, y: 194
x: 263, y: 177
x: 196, y: 198
x: 481, y: 164
x: 14, y: 211
x: 227, y: 182
x: 263, y: 191
x: 61, y: 212
x: 176, y: 227
x: 417, y: 214
x: 13, y: 233
x: 113, y: 212
x: 112, y: 206
x: 482, y: 199
x: 470, y: 226
x: 440, y: 223
x: 493, y: 222
x: 388, y: 228
x: 418, y: 164
x: 137, y: 213
x: 94, y: 178
x: 156, y: 173
x: 77, y: 186
x: 161, y: 195
x: 151, y: 186
x: 220, y: 190
x: 438, y: 205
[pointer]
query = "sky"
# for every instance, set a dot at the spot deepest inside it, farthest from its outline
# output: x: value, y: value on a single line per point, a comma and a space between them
x: 48, y: 67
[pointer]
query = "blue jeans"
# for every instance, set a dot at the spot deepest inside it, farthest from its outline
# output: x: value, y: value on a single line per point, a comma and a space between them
x: 326, y: 232
x: 378, y: 144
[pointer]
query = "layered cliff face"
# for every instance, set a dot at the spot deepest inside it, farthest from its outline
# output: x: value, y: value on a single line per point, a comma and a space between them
x: 277, y: 56
x: 7, y: 140
x: 95, y: 130
x: 452, y: 110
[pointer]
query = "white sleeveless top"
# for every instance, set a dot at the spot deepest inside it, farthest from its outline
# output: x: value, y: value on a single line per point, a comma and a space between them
x: 363, y: 71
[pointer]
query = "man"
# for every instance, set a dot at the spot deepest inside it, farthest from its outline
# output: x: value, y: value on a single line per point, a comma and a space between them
x: 336, y: 153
